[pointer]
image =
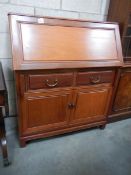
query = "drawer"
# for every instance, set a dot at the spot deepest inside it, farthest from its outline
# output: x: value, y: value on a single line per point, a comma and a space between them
x: 89, y: 78
x: 50, y: 80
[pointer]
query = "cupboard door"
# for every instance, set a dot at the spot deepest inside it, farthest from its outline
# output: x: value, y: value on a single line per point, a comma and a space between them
x: 45, y: 111
x: 123, y: 95
x: 91, y: 104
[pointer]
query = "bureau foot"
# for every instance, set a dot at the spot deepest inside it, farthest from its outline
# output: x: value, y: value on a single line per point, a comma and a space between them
x: 4, y: 152
x: 3, y: 140
x: 102, y: 126
x: 6, y: 162
x: 22, y: 143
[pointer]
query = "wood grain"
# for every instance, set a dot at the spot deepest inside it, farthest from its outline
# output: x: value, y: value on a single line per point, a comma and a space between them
x: 45, y: 111
x: 91, y: 104
x: 54, y: 43
x: 123, y: 95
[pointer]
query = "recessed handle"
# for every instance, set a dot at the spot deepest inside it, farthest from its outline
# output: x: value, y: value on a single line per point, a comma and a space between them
x: 95, y: 79
x: 54, y: 84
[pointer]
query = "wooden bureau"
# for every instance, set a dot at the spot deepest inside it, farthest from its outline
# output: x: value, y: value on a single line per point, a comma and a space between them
x: 65, y: 73
x: 120, y: 11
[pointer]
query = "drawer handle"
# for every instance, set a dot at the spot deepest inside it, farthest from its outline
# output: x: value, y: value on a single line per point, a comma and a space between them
x: 95, y: 79
x: 52, y: 85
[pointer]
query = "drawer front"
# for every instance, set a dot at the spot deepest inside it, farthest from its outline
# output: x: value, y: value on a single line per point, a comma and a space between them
x: 50, y: 80
x: 90, y: 78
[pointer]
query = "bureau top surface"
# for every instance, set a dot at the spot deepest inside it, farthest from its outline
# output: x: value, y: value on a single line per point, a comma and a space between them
x: 53, y: 43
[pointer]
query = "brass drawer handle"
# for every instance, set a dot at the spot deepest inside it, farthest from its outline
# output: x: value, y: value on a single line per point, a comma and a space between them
x: 52, y: 85
x: 95, y: 79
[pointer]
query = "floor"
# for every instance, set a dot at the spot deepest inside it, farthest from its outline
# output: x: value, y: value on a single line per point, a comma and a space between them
x: 90, y: 152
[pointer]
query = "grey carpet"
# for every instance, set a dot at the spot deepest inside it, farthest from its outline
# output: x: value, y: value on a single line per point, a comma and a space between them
x: 90, y: 152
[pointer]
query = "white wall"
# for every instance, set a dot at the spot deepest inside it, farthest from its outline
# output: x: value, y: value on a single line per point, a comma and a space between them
x: 78, y: 9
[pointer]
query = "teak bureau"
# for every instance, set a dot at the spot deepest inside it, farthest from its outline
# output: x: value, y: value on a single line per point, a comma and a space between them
x: 65, y: 72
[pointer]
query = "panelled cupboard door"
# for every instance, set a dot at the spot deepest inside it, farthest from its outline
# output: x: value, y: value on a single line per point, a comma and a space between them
x: 91, y: 104
x: 45, y: 111
x: 123, y: 96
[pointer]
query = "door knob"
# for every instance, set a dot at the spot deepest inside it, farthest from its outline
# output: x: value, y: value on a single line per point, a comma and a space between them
x: 71, y: 105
